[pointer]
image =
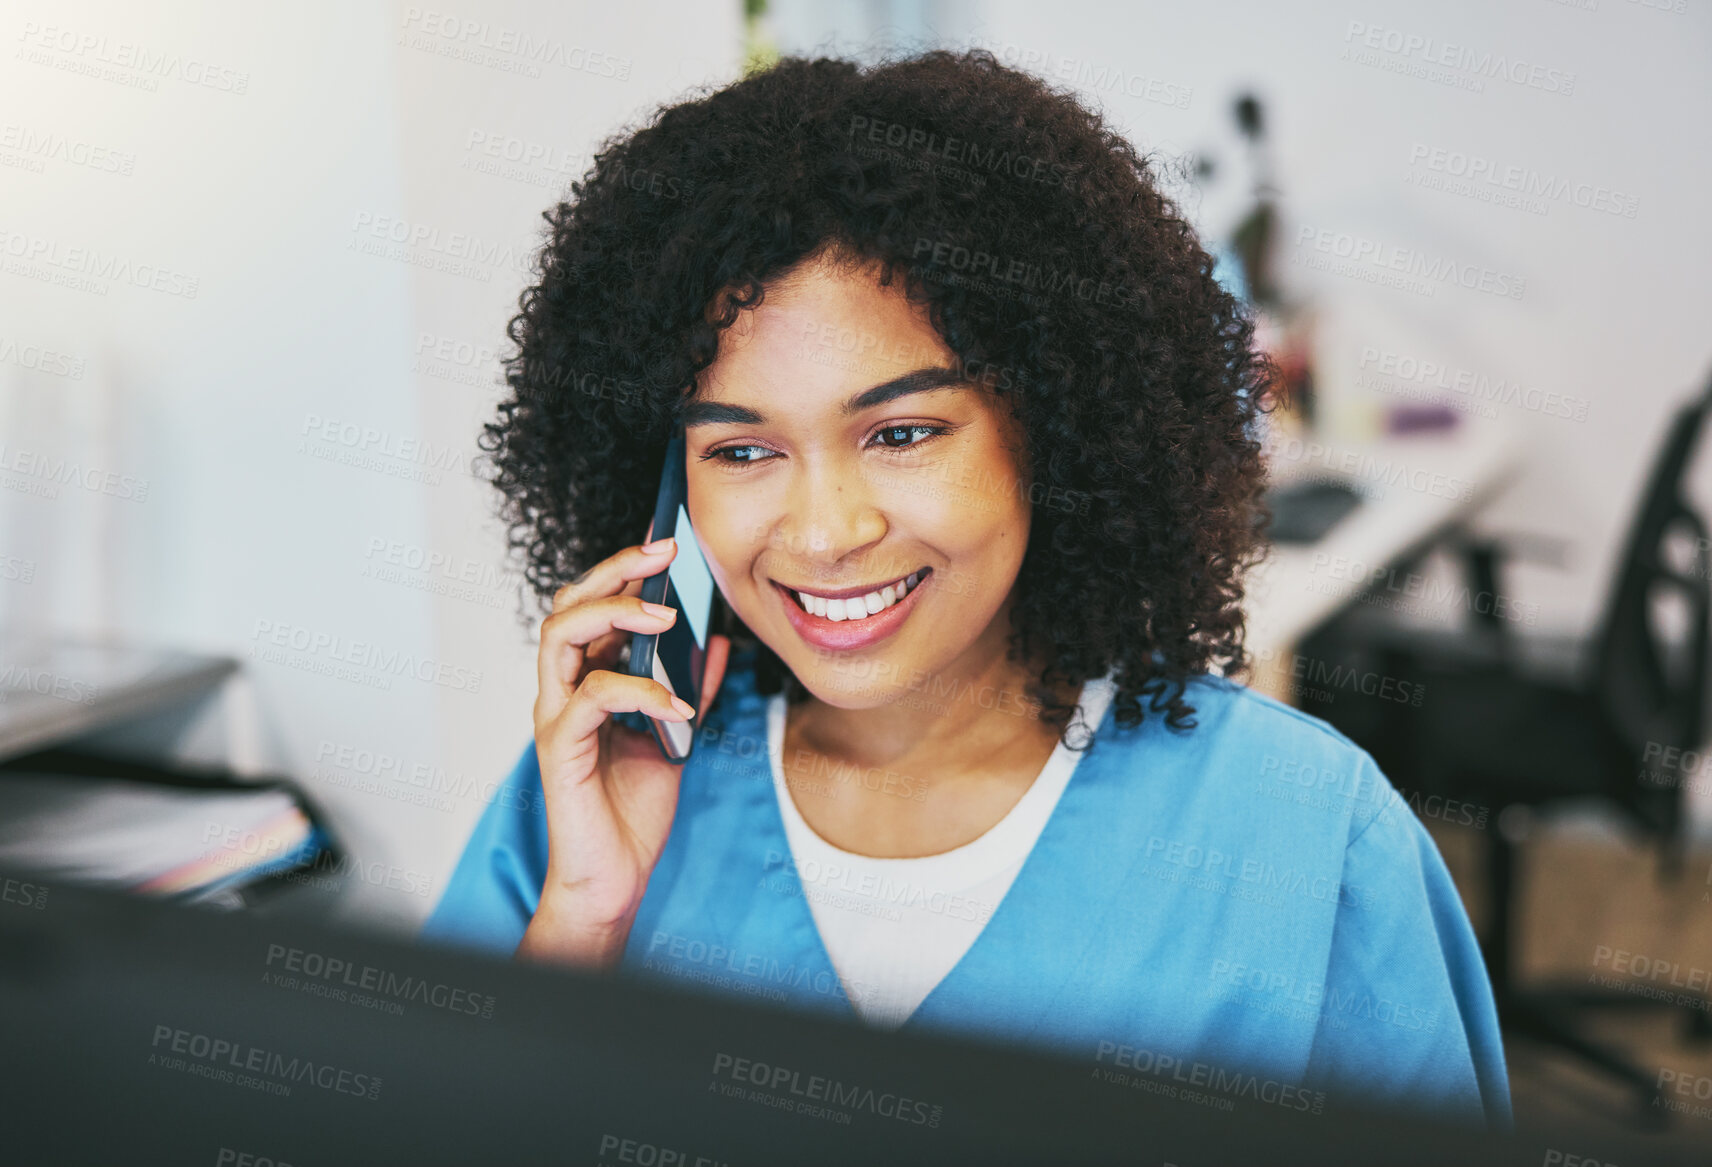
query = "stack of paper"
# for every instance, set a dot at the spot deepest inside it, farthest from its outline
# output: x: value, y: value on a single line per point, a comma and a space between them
x: 166, y: 840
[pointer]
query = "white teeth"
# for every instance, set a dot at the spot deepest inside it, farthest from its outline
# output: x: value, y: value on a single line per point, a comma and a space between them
x: 858, y: 607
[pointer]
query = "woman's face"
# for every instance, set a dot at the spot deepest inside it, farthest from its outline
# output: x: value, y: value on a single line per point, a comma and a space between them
x: 833, y: 448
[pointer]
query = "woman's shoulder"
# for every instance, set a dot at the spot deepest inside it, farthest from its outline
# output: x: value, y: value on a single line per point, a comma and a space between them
x: 1257, y: 767
x: 1234, y: 720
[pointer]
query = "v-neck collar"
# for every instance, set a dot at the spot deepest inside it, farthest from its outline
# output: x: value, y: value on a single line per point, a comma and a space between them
x: 967, y: 988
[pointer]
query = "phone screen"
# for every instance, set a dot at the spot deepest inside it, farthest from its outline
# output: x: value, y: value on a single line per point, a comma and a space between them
x: 691, y: 579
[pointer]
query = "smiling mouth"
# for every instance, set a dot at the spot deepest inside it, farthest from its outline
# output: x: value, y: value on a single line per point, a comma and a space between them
x: 856, y: 607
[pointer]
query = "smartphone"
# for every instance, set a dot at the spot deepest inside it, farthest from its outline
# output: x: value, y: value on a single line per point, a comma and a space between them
x: 676, y: 657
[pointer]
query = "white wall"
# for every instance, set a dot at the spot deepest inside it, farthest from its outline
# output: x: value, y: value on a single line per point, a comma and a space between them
x: 351, y: 117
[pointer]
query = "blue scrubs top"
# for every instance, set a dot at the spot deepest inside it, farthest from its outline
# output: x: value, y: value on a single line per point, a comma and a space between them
x: 1247, y: 909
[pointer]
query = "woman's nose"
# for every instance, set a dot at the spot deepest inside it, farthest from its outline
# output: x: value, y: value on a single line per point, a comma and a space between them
x: 828, y: 515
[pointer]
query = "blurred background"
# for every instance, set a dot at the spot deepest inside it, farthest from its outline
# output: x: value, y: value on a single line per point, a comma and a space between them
x: 259, y: 643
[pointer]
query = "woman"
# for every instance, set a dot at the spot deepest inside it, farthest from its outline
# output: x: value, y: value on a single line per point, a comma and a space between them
x: 971, y: 456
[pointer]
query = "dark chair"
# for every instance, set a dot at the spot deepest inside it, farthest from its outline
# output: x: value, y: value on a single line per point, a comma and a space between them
x: 1490, y: 731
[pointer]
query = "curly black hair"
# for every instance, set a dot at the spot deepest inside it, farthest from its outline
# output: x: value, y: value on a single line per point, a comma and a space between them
x: 1042, y: 247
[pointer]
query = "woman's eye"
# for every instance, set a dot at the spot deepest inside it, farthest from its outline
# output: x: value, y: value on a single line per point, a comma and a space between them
x: 755, y: 453
x: 892, y: 437
x: 903, y: 433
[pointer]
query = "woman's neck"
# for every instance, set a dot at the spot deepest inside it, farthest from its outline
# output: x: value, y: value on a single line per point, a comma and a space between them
x: 959, y: 713
x: 929, y: 771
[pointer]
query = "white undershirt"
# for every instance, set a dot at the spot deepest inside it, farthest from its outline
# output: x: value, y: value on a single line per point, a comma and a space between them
x: 895, y: 927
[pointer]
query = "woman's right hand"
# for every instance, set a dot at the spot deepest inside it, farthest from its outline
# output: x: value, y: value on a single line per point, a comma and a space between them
x: 609, y: 794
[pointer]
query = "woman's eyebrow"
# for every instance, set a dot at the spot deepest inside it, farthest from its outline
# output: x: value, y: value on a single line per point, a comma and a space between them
x: 920, y: 381
x: 718, y: 413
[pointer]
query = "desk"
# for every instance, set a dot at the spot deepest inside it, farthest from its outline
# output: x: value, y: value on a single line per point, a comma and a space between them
x: 1418, y: 489
x: 52, y: 691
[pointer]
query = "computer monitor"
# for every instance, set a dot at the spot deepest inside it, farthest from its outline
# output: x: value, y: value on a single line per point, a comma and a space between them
x: 141, y: 1031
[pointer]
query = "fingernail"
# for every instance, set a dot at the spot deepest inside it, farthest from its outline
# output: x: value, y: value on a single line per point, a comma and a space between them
x: 657, y: 546
x: 661, y: 610
x: 683, y: 707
